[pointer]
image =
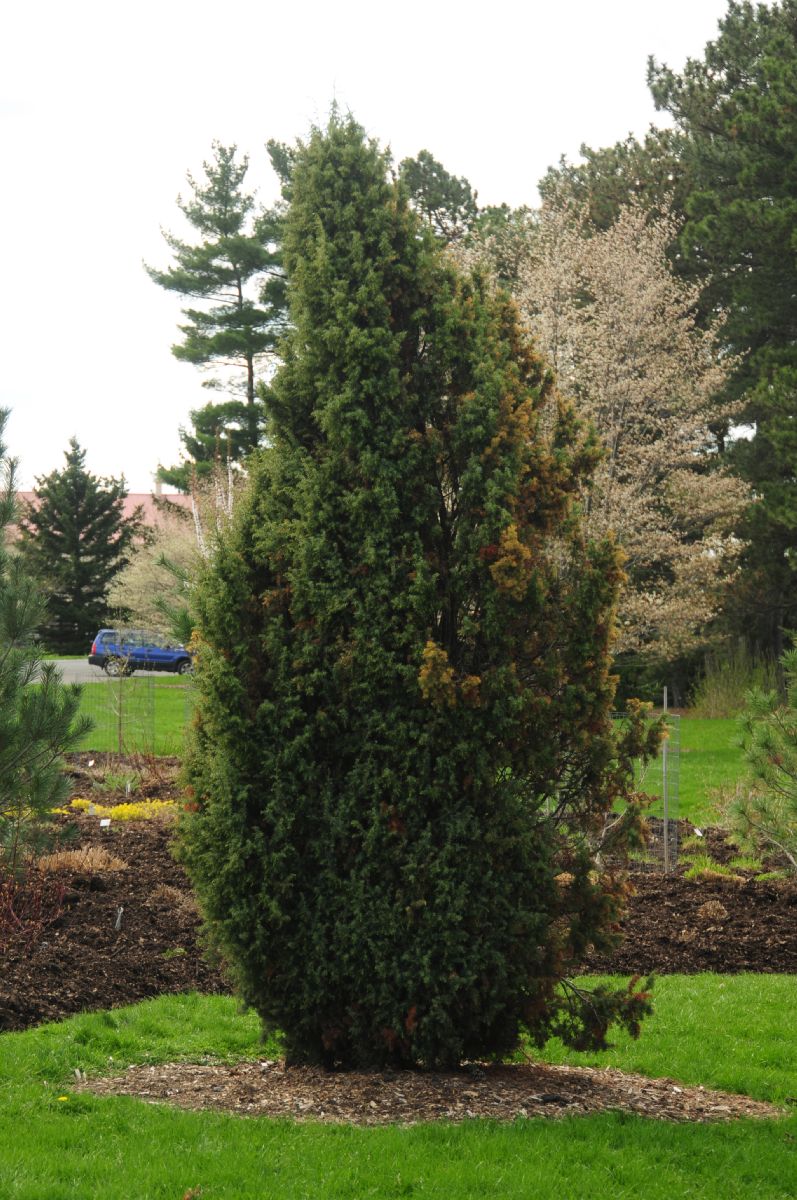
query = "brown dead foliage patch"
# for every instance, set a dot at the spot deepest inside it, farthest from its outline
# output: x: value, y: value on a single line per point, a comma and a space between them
x: 713, y: 910
x: 175, y: 897
x: 503, y: 1093
x: 88, y: 860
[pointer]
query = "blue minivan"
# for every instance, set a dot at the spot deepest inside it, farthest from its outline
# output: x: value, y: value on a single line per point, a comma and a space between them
x: 121, y: 652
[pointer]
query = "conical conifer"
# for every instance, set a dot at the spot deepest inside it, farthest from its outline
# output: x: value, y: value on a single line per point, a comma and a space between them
x: 403, y: 759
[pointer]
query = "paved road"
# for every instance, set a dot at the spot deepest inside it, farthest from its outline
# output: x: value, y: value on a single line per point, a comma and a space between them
x: 77, y: 670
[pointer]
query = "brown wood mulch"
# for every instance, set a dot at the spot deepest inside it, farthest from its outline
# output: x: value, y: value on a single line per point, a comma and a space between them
x: 503, y: 1093
x: 678, y: 926
x: 132, y: 933
x: 83, y: 962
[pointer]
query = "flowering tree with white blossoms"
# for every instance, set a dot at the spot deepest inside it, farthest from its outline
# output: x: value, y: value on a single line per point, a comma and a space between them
x: 155, y: 588
x: 619, y: 328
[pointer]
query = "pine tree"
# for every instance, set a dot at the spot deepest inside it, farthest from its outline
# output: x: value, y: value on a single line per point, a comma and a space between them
x: 75, y: 539
x: 218, y: 434
x: 403, y: 762
x: 234, y: 273
x: 736, y: 114
x: 762, y: 813
x: 37, y: 724
x: 652, y: 173
x: 446, y: 202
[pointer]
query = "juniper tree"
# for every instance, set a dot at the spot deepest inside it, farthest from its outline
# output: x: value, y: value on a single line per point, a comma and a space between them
x: 403, y: 763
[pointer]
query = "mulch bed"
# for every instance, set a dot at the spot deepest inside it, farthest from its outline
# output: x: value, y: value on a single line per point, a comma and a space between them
x: 268, y: 1089
x: 83, y: 962
x: 675, y: 926
x: 131, y: 934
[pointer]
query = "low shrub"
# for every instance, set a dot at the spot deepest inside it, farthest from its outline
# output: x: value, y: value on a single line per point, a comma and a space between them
x: 88, y: 860
x: 705, y: 868
x: 29, y: 904
x: 175, y: 898
x: 728, y: 675
x: 743, y: 863
x: 137, y: 810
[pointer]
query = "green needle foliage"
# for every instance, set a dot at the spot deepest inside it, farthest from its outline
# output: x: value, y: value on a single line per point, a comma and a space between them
x: 448, y: 204
x: 403, y: 762
x: 652, y: 172
x: 37, y: 723
x: 764, y: 817
x: 232, y: 273
x: 75, y: 539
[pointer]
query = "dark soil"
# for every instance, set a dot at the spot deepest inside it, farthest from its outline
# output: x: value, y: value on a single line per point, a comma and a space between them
x: 82, y: 961
x: 93, y: 956
x: 678, y: 926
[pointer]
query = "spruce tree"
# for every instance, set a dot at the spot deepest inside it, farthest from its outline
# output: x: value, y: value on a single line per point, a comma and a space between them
x: 37, y: 723
x: 75, y: 539
x: 403, y: 761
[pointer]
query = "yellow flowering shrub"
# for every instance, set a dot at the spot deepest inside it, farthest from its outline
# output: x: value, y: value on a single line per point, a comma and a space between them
x: 137, y: 810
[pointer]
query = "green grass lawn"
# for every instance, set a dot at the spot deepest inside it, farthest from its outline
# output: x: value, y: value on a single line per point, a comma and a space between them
x: 737, y: 1032
x: 709, y: 758
x: 732, y: 1032
x: 155, y: 711
x: 142, y: 714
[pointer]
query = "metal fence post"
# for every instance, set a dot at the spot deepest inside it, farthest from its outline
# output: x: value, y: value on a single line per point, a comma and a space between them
x: 665, y: 795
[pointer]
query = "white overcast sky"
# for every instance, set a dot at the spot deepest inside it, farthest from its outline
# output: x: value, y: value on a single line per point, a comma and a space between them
x: 104, y: 106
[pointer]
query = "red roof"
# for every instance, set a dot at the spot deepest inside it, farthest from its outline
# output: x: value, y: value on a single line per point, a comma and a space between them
x: 152, y: 505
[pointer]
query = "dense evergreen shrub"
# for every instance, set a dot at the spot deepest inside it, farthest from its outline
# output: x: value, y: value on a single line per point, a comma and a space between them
x: 403, y: 763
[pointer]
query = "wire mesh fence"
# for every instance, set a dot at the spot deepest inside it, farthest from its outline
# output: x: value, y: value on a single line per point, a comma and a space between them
x: 659, y: 779
x: 148, y: 715
x: 137, y: 714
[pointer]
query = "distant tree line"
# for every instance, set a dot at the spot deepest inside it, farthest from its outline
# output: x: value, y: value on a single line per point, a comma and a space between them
x: 683, y: 240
